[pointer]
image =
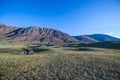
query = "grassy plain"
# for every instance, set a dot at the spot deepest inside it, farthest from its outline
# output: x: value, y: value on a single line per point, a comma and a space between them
x: 61, y: 63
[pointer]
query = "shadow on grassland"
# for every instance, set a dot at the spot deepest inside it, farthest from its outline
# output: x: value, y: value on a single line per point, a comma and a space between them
x: 108, y: 45
x: 39, y: 49
x: 8, y: 50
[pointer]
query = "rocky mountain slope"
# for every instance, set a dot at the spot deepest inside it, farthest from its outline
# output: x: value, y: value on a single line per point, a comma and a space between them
x: 34, y: 33
x: 5, y: 29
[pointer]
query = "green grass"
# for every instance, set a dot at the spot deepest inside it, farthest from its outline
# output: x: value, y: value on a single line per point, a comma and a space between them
x: 12, y: 46
x: 61, y: 63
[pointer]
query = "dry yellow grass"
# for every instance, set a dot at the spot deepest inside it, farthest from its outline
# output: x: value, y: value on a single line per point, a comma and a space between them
x: 61, y: 64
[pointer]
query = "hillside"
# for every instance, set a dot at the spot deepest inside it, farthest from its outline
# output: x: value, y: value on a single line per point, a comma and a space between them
x: 103, y: 37
x: 84, y: 38
x: 33, y: 33
x: 96, y: 38
x: 5, y: 29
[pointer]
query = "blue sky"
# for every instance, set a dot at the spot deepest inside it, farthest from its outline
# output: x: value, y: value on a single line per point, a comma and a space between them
x: 75, y: 17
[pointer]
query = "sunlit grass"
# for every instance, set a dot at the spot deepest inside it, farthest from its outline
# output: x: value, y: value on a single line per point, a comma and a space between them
x: 61, y: 64
x: 12, y: 46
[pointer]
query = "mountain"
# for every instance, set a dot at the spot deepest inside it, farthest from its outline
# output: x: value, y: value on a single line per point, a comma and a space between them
x: 34, y: 33
x: 103, y: 37
x: 84, y: 38
x: 5, y: 29
x: 96, y: 38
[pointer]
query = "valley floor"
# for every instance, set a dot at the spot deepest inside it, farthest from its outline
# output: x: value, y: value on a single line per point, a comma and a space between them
x: 61, y: 63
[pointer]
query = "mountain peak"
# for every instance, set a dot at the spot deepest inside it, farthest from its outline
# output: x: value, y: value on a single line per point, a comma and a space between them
x: 34, y: 33
x: 33, y: 27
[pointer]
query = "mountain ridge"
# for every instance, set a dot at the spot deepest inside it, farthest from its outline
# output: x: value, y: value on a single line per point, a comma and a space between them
x: 96, y: 38
x: 103, y: 37
x: 34, y: 33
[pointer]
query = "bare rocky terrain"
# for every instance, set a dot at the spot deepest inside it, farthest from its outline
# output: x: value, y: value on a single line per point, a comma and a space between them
x: 33, y: 33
